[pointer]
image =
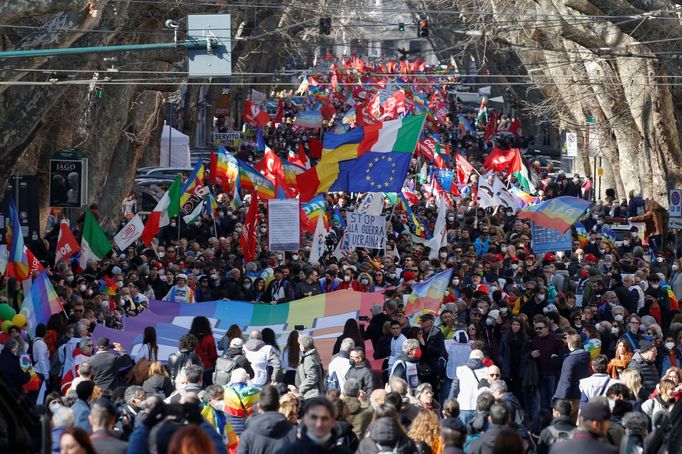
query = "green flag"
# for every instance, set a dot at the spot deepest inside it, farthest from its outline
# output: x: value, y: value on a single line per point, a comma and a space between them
x: 94, y: 244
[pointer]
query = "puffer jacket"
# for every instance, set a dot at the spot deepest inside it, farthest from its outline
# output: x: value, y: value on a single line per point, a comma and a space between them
x: 310, y: 375
x: 386, y: 435
x: 647, y: 371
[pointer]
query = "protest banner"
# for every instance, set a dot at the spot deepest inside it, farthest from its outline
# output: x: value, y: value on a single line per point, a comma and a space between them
x: 366, y: 231
x: 284, y: 233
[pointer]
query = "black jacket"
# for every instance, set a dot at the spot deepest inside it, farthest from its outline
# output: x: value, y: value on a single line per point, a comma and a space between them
x: 238, y: 356
x: 158, y: 384
x: 363, y: 374
x: 178, y: 360
x: 106, y: 368
x: 304, y: 445
x: 385, y: 435
x: 12, y: 373
x: 265, y: 433
x: 562, y: 423
x: 575, y: 367
x: 647, y: 371
x: 484, y: 445
x: 583, y: 443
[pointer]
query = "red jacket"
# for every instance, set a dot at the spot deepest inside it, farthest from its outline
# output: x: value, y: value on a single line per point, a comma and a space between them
x: 207, y: 351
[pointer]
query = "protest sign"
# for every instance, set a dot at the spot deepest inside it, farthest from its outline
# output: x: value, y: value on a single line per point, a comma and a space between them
x: 284, y: 231
x: 366, y: 231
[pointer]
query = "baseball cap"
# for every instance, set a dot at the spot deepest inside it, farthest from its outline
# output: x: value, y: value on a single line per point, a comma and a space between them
x: 181, y: 276
x: 237, y: 342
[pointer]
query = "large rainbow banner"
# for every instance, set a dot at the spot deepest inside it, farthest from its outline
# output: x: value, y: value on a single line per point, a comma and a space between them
x: 322, y: 316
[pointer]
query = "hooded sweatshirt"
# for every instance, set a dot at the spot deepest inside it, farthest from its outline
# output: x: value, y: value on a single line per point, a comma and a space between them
x: 261, y: 356
x: 386, y: 435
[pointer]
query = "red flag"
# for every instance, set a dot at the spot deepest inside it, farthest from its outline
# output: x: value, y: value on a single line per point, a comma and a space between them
x: 213, y: 168
x: 247, y: 240
x: 270, y: 166
x: 498, y: 160
x: 262, y: 119
x: 464, y: 169
x: 280, y: 111
x: 315, y: 148
x: 490, y: 128
x: 328, y: 110
x: 33, y: 262
x: 301, y: 159
x: 250, y: 112
x: 427, y: 147
x: 66, y: 243
x: 515, y: 128
x: 374, y: 108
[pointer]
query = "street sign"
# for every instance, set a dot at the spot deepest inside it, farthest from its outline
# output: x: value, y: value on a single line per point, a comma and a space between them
x: 675, y: 209
x: 571, y: 144
x: 68, y: 179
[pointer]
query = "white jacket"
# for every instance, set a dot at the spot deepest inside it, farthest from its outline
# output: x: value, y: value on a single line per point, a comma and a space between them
x: 396, y: 349
x: 340, y: 365
x: 468, y: 386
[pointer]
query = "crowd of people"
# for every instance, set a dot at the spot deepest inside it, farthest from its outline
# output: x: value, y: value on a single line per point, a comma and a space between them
x: 530, y: 352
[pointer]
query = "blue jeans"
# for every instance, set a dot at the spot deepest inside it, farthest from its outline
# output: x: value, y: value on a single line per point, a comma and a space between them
x: 466, y: 415
x: 546, y: 388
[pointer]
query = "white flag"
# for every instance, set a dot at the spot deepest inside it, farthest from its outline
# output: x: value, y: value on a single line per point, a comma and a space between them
x: 130, y: 233
x: 372, y: 204
x: 439, y: 231
x: 486, y: 195
x: 319, y: 246
x: 503, y: 195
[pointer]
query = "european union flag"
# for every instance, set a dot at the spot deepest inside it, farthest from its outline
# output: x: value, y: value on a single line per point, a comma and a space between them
x: 373, y: 172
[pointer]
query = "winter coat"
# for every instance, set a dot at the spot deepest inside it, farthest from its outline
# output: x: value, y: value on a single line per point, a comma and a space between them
x: 266, y: 433
x: 12, y: 373
x: 575, y: 367
x: 385, y: 435
x: 242, y: 361
x: 261, y: 356
x: 647, y: 371
x: 583, y: 443
x: 562, y: 423
x: 465, y: 384
x: 158, y: 384
x: 359, y: 416
x: 207, y: 351
x: 406, y: 368
x: 310, y: 375
x: 363, y: 374
x: 178, y: 360
x: 484, y: 445
x: 632, y: 443
x: 655, y: 405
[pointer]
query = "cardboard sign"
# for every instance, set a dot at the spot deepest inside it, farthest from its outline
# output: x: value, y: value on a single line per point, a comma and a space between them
x: 366, y: 231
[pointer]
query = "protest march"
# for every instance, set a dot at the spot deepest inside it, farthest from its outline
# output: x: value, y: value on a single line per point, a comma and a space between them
x: 373, y: 269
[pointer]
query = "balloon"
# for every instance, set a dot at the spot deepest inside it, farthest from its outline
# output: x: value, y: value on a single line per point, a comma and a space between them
x: 6, y: 325
x: 19, y: 320
x: 6, y: 312
x: 593, y: 347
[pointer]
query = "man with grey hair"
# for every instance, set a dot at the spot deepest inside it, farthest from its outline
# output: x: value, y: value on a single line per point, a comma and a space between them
x: 61, y: 420
x: 636, y: 430
x: 309, y: 374
x: 405, y: 366
x: 339, y: 365
x: 499, y: 389
x: 261, y: 355
x: 84, y: 373
x: 359, y: 414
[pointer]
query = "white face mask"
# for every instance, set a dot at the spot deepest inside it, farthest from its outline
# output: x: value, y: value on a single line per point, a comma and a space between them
x: 541, y: 296
x: 346, y: 278
x: 633, y: 234
x: 654, y: 285
x: 503, y: 248
x: 294, y: 257
x: 162, y: 254
x: 659, y: 259
x: 618, y: 318
x: 669, y: 345
x: 82, y: 288
x: 55, y: 406
x: 443, y: 255
x: 614, y: 330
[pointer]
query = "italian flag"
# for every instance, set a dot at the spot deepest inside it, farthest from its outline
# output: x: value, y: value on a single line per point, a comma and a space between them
x: 167, y: 208
x: 519, y: 171
x: 94, y: 244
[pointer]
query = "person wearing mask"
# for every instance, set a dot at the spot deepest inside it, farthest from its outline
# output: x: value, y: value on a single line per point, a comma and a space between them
x: 433, y: 351
x: 180, y: 292
x: 102, y: 419
x: 359, y: 414
x: 279, y: 289
x: 464, y: 386
x: 41, y: 358
x: 309, y: 374
x: 205, y: 291
x: 575, y: 367
x: 644, y: 362
x: 360, y: 370
x: 214, y: 414
x: 561, y: 427
x: 386, y: 433
x: 587, y: 440
x: 405, y: 366
x: 268, y: 431
x: 317, y: 433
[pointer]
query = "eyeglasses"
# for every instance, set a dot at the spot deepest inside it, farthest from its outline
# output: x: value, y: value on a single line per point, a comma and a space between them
x: 493, y: 375
x: 90, y: 345
x: 540, y: 328
x: 634, y: 322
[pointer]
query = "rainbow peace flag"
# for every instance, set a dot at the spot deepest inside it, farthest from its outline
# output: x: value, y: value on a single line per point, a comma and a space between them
x: 609, y: 237
x: 558, y: 214
x: 17, y: 260
x: 428, y: 295
x: 226, y: 169
x: 581, y: 232
x: 315, y: 208
x: 365, y: 159
x: 291, y: 170
x: 405, y: 205
x: 526, y: 198
x: 323, y: 317
x: 40, y: 302
x: 253, y: 180
x: 193, y: 193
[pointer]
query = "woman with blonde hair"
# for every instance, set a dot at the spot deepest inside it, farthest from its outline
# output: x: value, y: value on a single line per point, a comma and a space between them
x: 158, y: 380
x: 633, y: 380
x: 663, y: 401
x: 621, y: 359
x: 288, y: 406
x: 425, y: 431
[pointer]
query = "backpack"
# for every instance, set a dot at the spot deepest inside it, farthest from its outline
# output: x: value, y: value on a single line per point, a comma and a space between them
x: 385, y: 450
x: 223, y: 370
x: 332, y: 382
x: 559, y: 435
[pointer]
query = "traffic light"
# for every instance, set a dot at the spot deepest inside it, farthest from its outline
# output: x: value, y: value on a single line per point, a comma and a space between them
x: 325, y: 25
x: 401, y: 26
x: 423, y: 29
